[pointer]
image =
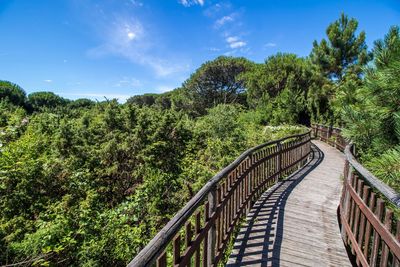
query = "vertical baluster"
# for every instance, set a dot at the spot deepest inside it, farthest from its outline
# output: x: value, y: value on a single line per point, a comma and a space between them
x: 197, y: 231
x: 279, y: 160
x: 396, y: 261
x: 224, y: 208
x: 162, y: 260
x: 256, y: 177
x: 219, y: 220
x: 205, y: 244
x: 229, y: 202
x: 356, y: 225
x: 368, y: 227
x: 188, y: 237
x: 177, y: 249
x: 212, y: 202
x: 237, y: 190
x: 264, y: 165
x: 245, y: 182
x: 237, y: 195
x: 388, y: 225
x: 375, y: 245
x: 361, y: 227
x: 352, y: 202
x: 346, y: 199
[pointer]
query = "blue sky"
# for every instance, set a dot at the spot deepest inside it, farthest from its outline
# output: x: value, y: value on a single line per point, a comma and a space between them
x: 120, y: 48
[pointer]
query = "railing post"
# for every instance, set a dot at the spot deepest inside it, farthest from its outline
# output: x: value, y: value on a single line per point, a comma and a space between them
x: 279, y: 145
x: 212, y: 202
x: 320, y: 132
x: 345, y: 212
x: 250, y: 178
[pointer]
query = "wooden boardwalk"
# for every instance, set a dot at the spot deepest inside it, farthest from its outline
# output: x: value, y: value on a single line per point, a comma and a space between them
x: 295, y: 223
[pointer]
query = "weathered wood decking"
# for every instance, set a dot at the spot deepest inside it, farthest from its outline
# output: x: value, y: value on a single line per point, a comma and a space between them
x: 295, y: 223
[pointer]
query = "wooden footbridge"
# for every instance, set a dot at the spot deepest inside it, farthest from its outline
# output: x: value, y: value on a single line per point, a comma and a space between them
x: 290, y: 202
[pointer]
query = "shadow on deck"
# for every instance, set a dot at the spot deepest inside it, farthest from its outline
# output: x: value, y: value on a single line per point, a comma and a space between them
x: 259, y: 240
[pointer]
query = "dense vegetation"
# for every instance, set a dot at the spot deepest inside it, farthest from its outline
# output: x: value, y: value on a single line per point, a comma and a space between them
x: 86, y: 183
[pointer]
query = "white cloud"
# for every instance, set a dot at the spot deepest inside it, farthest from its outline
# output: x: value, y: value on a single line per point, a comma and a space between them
x: 127, y: 38
x: 220, y: 22
x: 232, y: 39
x: 270, y: 45
x: 164, y: 88
x: 235, y: 42
x: 128, y: 82
x: 48, y: 81
x: 136, y: 3
x: 188, y: 3
x: 213, y: 49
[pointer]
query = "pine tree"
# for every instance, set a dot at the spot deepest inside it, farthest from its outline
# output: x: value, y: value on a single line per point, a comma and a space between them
x: 344, y: 52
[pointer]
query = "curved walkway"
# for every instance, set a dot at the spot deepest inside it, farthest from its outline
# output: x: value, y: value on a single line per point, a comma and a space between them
x: 295, y: 223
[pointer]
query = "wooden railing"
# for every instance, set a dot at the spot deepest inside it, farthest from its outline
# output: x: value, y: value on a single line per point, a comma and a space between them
x: 200, y: 232
x: 330, y: 135
x: 369, y: 229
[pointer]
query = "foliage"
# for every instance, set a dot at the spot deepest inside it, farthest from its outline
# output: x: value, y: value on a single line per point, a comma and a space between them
x: 92, y: 183
x: 216, y: 82
x: 344, y: 52
x: 12, y: 93
x: 340, y: 58
x: 280, y: 88
x: 41, y: 100
x: 373, y: 120
x: 387, y: 167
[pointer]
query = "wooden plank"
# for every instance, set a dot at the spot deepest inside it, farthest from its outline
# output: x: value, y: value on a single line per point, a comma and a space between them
x: 385, y: 250
x: 375, y: 245
x: 205, y: 243
x: 361, y: 232
x: 177, y: 249
x: 396, y: 261
x: 375, y: 221
x: 162, y: 260
x: 197, y: 230
x: 368, y: 228
x: 307, y: 232
x: 356, y: 225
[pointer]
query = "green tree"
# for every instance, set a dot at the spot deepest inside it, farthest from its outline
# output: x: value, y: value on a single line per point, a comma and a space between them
x: 374, y: 119
x: 280, y: 87
x: 387, y: 50
x: 40, y: 100
x: 13, y: 93
x: 216, y: 82
x: 343, y: 52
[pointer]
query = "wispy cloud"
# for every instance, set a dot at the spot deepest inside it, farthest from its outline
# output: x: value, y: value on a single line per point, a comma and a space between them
x: 270, y: 45
x: 48, y: 81
x: 213, y: 49
x: 215, y: 10
x: 235, y: 42
x: 136, y: 3
x: 225, y: 19
x: 188, y: 3
x: 128, y: 82
x: 164, y: 88
x: 126, y: 37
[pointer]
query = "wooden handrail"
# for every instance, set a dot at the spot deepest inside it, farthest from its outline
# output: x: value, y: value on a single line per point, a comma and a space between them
x: 366, y: 222
x: 383, y: 188
x: 222, y: 201
x: 347, y: 148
